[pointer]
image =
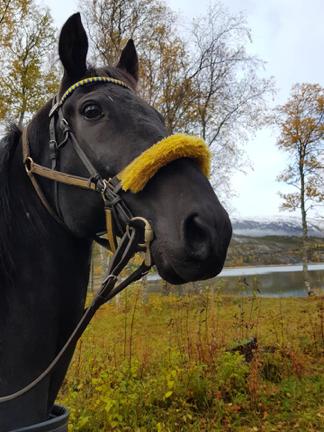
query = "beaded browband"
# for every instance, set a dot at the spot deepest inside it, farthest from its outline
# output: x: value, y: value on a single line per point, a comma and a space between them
x: 84, y: 82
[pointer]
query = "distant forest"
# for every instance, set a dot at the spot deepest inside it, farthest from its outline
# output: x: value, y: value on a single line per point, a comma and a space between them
x: 272, y: 250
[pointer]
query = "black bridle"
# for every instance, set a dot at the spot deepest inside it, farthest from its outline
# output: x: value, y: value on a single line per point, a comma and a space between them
x: 134, y: 233
x: 117, y: 212
x: 109, y: 189
x: 126, y: 234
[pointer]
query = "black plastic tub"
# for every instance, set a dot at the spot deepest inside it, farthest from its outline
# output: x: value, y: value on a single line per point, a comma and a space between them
x: 57, y: 422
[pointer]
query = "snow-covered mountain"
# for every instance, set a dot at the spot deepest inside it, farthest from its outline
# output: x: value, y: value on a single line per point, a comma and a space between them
x: 276, y: 226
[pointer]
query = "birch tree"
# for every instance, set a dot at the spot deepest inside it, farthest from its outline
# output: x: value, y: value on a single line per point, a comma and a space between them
x: 202, y: 81
x: 301, y: 123
x: 231, y: 98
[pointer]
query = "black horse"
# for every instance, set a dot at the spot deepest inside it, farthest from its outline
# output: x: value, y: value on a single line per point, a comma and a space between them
x: 44, y: 267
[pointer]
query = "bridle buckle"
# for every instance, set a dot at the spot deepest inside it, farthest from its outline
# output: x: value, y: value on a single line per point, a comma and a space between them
x: 148, y: 237
x: 29, y: 163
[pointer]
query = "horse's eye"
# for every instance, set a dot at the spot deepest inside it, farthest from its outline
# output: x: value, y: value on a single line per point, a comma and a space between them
x: 92, y: 111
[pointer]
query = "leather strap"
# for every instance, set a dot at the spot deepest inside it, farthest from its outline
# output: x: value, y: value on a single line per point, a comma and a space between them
x: 38, y: 189
x: 59, y: 176
x: 109, y: 224
x: 51, y: 174
x: 116, y: 211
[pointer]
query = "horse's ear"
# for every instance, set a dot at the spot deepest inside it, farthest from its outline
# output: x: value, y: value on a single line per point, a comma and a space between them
x: 73, y: 48
x: 128, y: 60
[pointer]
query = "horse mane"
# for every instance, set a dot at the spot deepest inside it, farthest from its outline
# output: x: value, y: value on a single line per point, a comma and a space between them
x: 8, y: 145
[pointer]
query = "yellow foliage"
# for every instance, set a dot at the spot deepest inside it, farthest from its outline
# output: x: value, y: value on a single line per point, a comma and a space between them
x: 27, y: 77
x: 301, y: 122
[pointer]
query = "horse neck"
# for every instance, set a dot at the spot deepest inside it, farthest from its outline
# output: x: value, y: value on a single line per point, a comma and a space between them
x: 42, y: 298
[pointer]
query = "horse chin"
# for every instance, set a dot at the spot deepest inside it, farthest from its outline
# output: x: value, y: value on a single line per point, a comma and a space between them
x: 175, y: 272
x: 169, y: 275
x: 164, y: 267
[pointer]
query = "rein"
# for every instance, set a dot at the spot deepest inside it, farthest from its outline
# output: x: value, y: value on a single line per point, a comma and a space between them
x: 135, y: 233
x: 136, y: 236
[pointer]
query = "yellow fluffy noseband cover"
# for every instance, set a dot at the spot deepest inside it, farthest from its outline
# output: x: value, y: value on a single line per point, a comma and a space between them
x: 135, y: 176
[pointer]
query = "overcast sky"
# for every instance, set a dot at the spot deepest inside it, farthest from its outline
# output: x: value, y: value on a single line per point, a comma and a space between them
x: 289, y: 36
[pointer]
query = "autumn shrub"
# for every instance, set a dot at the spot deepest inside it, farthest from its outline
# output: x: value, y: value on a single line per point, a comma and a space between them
x: 231, y: 375
x: 171, y: 363
x: 275, y: 366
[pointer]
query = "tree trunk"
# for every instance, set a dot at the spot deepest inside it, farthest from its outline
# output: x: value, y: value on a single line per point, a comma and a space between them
x: 204, y: 129
x: 21, y: 119
x: 166, y: 288
x: 305, y: 228
x: 305, y: 258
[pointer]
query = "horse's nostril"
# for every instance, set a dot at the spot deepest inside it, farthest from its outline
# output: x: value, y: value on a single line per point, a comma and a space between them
x: 197, y: 237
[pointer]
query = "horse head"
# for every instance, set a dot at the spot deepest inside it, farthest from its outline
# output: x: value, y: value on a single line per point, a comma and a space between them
x: 113, y: 125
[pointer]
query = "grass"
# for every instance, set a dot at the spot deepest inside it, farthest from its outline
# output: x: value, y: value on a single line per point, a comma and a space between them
x: 167, y: 363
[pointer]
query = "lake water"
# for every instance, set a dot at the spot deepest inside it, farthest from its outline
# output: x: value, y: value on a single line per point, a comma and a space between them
x: 266, y: 281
